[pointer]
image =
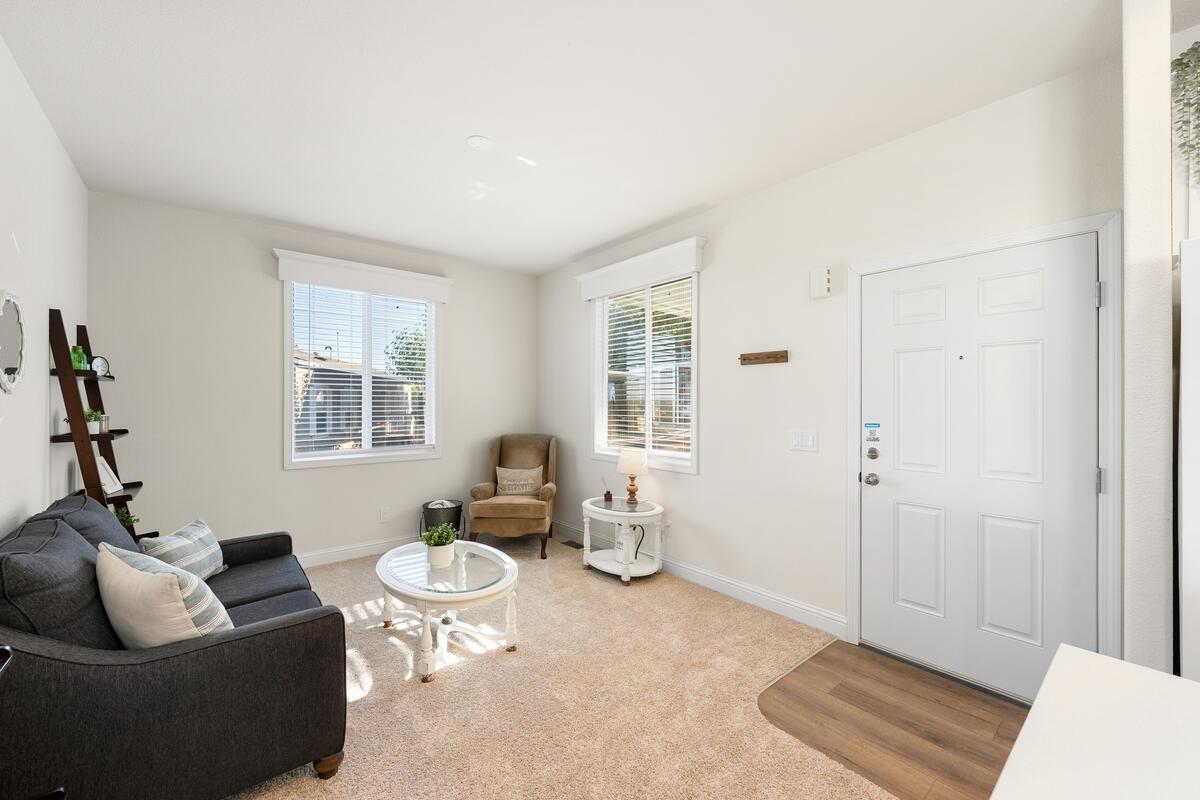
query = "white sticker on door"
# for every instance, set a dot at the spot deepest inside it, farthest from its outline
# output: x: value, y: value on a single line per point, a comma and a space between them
x: 872, y: 431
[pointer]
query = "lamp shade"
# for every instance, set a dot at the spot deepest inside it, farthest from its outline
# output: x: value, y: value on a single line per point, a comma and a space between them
x: 631, y: 462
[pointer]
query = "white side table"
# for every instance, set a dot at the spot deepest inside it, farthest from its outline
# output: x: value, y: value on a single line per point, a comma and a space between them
x: 624, y: 559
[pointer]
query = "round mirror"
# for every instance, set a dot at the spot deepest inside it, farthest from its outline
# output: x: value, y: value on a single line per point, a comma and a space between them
x: 12, y: 342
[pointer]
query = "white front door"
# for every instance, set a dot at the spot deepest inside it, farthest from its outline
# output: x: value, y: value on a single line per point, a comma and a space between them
x: 979, y: 402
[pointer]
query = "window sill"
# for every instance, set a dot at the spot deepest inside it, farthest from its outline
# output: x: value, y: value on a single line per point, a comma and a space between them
x: 316, y: 462
x: 657, y: 462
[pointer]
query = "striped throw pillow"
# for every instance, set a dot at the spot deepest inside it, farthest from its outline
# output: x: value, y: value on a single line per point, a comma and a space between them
x: 151, y: 603
x: 193, y: 547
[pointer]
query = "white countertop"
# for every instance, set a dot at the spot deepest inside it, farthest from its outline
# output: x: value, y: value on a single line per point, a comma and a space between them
x: 1103, y: 728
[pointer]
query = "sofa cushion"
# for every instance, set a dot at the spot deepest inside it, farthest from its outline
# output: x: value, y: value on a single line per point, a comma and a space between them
x: 92, y: 520
x: 259, y: 580
x: 509, y: 507
x: 273, y: 607
x: 48, y: 585
x: 193, y: 548
x: 151, y: 603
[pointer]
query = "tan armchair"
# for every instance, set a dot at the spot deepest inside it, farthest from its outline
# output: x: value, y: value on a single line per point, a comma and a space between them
x: 517, y: 515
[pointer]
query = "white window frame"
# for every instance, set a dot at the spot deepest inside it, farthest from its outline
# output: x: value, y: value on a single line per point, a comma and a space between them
x: 372, y: 280
x: 657, y: 459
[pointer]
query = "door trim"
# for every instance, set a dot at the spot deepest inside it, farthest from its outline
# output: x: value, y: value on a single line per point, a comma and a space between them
x: 1107, y: 227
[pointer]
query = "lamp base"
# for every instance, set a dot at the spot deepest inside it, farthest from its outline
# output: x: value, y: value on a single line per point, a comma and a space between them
x: 632, y: 488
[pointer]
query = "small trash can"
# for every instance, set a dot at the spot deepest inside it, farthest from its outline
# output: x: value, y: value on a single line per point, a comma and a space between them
x: 435, y: 512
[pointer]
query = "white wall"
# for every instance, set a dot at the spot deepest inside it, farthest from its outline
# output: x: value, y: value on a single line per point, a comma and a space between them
x: 759, y: 514
x: 188, y: 307
x: 43, y: 260
x: 1149, y: 435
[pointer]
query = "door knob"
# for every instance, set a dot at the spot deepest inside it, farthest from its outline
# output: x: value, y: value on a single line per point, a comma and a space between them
x: 872, y: 453
x: 871, y: 479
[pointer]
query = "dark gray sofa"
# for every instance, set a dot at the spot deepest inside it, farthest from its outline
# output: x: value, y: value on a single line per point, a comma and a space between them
x: 194, y: 720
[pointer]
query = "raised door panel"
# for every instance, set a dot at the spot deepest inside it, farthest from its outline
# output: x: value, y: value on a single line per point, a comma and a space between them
x: 1010, y: 577
x: 919, y: 581
x: 927, y: 304
x: 1005, y: 294
x: 920, y: 410
x: 1011, y: 411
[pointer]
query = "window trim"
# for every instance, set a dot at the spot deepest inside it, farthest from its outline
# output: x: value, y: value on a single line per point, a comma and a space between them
x: 384, y: 455
x: 658, y: 459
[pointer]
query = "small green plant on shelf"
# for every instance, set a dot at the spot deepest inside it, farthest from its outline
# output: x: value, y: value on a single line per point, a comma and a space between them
x: 440, y: 535
x: 125, y: 517
x: 92, y: 415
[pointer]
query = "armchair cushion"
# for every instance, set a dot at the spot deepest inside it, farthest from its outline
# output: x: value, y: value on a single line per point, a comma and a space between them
x: 91, y: 520
x: 482, y: 491
x: 259, y: 580
x: 48, y: 585
x: 509, y: 507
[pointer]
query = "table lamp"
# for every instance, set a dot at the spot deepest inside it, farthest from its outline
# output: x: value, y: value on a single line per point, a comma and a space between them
x: 632, y: 463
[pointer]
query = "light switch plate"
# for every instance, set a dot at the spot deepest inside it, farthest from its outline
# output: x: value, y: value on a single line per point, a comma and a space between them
x: 820, y: 283
x: 803, y: 440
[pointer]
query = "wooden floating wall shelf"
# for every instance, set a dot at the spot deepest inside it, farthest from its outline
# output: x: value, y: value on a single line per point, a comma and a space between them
x: 768, y: 357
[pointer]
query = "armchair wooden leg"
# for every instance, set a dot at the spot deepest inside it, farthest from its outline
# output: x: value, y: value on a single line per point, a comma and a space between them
x: 550, y: 533
x: 544, y: 537
x: 327, y: 767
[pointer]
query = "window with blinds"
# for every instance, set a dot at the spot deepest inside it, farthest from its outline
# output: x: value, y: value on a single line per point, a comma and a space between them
x: 649, y: 385
x: 362, y: 374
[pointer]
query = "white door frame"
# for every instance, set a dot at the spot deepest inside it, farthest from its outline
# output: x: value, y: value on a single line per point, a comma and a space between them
x: 1107, y: 228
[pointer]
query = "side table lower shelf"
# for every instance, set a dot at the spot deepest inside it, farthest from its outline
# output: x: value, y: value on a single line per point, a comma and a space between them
x: 610, y: 561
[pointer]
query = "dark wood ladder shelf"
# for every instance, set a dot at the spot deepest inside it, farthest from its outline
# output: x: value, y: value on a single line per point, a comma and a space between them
x: 115, y: 433
x: 85, y: 374
x: 86, y: 444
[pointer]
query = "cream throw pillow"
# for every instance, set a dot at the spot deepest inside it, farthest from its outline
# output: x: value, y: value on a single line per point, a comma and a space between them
x: 518, y: 481
x: 150, y: 603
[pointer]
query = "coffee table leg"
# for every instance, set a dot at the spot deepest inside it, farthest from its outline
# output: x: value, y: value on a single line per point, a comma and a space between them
x: 510, y: 632
x: 425, y: 665
x: 587, y: 541
x: 388, y: 619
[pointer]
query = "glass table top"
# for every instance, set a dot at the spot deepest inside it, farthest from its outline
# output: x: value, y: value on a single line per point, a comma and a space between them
x: 470, y: 570
x: 619, y: 505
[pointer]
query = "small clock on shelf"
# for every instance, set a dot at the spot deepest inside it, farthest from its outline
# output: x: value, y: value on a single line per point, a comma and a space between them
x: 100, y: 366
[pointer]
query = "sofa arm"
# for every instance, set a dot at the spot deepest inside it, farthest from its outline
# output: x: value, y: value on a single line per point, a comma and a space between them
x: 247, y: 549
x: 547, y: 492
x: 250, y: 703
x: 483, y: 491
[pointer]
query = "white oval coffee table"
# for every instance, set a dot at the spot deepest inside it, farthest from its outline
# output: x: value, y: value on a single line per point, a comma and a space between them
x: 478, y: 574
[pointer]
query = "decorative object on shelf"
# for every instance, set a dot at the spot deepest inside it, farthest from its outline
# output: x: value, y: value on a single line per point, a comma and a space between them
x: 1185, y: 96
x: 100, y: 366
x: 125, y: 517
x: 12, y: 342
x: 93, y: 418
x: 632, y: 463
x: 108, y: 478
x: 607, y: 491
x: 105, y: 423
x: 79, y: 360
x: 440, y: 543
x: 766, y: 357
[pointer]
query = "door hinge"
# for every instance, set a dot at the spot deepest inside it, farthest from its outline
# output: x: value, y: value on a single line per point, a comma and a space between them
x: 1099, y: 294
x: 1099, y: 480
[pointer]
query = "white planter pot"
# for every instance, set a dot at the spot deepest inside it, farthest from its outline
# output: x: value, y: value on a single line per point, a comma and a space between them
x: 441, y: 556
x: 94, y: 427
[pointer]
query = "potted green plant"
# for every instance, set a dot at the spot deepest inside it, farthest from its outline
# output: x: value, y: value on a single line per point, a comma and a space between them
x: 93, y: 418
x: 126, y: 518
x: 440, y: 541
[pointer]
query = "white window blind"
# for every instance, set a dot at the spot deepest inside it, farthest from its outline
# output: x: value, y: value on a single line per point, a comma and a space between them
x: 362, y: 374
x: 649, y: 385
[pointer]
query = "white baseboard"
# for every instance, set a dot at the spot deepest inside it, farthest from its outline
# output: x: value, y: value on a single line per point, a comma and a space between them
x: 798, y: 610
x: 345, y: 552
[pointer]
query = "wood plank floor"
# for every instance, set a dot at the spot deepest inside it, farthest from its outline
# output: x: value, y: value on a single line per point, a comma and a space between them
x: 916, y: 734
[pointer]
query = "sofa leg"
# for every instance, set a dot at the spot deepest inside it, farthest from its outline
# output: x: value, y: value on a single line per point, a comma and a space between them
x: 327, y: 767
x: 544, y: 537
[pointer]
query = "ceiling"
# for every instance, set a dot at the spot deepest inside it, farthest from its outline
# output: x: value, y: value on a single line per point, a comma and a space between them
x: 352, y: 115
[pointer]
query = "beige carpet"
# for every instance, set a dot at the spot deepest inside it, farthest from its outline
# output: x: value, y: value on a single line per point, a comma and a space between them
x: 641, y: 692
